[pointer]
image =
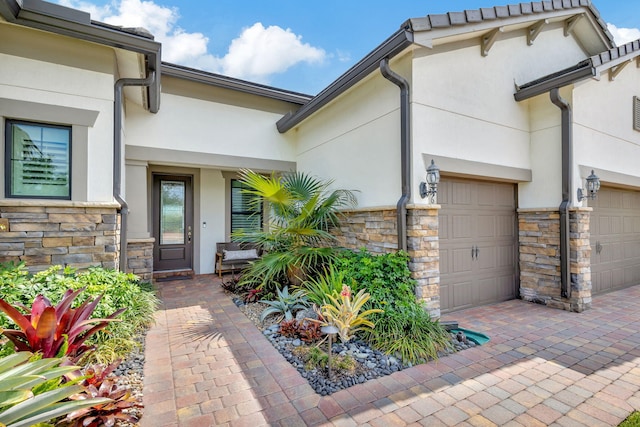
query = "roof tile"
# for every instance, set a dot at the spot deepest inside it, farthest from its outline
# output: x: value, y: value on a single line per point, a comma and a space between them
x: 514, y: 10
x: 439, y: 21
x: 596, y: 60
x: 527, y: 8
x: 473, y: 15
x: 488, y: 13
x: 537, y: 6
x: 547, y: 5
x: 502, y: 11
x: 457, y: 18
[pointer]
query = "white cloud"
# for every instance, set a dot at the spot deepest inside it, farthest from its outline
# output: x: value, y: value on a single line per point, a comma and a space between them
x: 256, y: 54
x: 260, y: 52
x: 623, y: 35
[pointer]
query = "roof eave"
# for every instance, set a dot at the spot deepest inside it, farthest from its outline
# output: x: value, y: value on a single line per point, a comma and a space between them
x: 218, y: 80
x: 395, y: 44
x: 72, y: 23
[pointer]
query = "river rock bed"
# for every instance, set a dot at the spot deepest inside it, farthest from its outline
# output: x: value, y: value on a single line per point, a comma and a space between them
x: 370, y: 363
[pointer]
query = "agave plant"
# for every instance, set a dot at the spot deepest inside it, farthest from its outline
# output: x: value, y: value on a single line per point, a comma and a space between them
x: 98, y: 384
x: 285, y: 304
x: 55, y: 331
x: 32, y: 392
x: 344, y: 313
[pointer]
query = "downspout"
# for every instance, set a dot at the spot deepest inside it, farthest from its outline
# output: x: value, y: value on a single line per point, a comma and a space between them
x: 567, y: 161
x: 405, y: 149
x: 117, y: 158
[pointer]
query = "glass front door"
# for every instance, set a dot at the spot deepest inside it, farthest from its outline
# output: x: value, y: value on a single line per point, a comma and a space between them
x: 173, y: 222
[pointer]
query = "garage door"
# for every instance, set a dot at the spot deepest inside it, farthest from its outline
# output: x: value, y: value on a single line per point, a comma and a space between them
x: 478, y: 235
x: 615, y: 240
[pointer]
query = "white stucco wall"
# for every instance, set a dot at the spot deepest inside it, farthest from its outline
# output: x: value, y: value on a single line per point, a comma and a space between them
x: 356, y: 142
x: 604, y: 138
x: 44, y: 73
x: 545, y: 188
x: 463, y: 107
x: 212, y: 212
x: 200, y: 119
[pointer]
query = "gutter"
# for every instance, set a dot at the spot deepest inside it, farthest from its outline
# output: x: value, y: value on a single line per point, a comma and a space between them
x: 567, y: 161
x: 69, y: 22
x: 218, y: 80
x: 118, y: 157
x: 405, y: 149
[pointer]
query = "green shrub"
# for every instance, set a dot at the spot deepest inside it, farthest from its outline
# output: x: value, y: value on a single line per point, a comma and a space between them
x: 404, y: 328
x: 118, y: 290
x: 633, y: 420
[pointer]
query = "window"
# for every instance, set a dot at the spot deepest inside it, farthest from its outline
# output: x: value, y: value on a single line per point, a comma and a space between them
x: 246, y: 209
x: 37, y: 160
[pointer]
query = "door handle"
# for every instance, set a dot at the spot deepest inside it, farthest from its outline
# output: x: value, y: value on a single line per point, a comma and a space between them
x: 598, y: 248
x: 473, y: 253
x: 477, y: 251
x: 189, y: 234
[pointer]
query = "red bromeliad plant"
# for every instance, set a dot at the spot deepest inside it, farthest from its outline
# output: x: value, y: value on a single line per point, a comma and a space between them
x: 55, y: 331
x: 99, y: 384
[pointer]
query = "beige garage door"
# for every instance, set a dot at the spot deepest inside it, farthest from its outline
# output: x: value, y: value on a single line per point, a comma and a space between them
x: 478, y: 252
x: 615, y: 240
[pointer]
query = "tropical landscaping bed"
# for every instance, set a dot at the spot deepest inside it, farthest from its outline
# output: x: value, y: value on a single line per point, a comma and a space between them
x: 365, y: 362
x: 64, y: 335
x: 311, y: 290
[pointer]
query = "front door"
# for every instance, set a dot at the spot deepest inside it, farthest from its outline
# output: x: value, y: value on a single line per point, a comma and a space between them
x: 172, y: 222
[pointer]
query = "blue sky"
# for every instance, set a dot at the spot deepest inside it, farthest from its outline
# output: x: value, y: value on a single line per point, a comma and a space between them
x: 299, y: 45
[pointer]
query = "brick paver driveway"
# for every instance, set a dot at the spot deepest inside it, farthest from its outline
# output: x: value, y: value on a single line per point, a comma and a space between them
x: 206, y: 364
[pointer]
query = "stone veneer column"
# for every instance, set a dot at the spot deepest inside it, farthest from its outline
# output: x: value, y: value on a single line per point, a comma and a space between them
x: 376, y: 231
x: 539, y: 248
x: 140, y: 258
x: 424, y: 252
x: 45, y: 233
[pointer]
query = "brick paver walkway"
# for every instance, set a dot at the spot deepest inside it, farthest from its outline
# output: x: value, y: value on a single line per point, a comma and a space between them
x: 206, y: 364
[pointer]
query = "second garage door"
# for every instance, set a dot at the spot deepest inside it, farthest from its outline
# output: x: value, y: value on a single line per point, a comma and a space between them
x: 615, y: 240
x: 478, y: 235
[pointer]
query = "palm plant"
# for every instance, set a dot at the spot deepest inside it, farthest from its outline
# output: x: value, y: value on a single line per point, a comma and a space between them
x: 302, y: 211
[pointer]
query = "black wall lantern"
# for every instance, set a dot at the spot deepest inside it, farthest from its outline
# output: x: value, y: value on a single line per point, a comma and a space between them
x: 430, y: 188
x: 593, y: 185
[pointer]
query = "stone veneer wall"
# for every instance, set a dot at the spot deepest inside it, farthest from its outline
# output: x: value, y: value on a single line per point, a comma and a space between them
x: 373, y: 229
x: 45, y: 233
x: 140, y: 258
x: 376, y: 231
x: 539, y: 241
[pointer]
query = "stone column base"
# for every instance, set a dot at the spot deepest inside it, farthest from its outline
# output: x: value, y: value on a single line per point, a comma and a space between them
x: 539, y: 247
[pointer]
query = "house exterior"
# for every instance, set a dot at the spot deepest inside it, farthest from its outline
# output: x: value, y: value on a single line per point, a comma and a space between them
x: 516, y: 105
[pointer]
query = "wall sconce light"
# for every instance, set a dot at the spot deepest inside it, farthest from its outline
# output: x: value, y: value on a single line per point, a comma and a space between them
x: 430, y: 188
x: 593, y: 185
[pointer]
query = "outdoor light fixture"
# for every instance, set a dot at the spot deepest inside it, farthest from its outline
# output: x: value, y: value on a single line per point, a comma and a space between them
x: 593, y: 185
x: 329, y: 330
x: 430, y: 188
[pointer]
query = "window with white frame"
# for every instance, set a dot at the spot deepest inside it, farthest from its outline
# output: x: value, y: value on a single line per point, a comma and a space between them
x: 37, y: 160
x: 246, y: 209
